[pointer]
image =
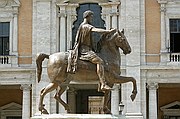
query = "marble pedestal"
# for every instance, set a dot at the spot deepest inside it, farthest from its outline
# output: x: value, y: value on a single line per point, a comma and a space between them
x: 78, y: 116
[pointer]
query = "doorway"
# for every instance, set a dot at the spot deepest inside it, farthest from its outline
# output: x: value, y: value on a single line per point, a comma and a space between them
x: 89, y: 102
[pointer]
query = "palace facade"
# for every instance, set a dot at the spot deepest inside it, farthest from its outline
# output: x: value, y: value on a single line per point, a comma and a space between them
x: 152, y: 27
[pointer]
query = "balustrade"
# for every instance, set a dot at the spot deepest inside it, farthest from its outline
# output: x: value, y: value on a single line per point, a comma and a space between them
x: 174, y: 57
x: 6, y: 59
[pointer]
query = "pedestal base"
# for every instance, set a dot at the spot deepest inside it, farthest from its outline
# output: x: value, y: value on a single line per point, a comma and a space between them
x: 78, y: 116
x: 134, y: 116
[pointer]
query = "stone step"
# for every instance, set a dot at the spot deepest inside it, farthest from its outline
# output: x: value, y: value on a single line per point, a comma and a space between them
x: 78, y: 116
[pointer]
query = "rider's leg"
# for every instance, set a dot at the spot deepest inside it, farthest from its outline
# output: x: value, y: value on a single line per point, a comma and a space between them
x: 100, y: 72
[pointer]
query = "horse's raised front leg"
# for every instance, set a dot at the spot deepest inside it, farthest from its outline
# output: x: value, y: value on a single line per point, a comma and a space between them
x: 44, y: 91
x: 122, y: 79
x: 57, y: 96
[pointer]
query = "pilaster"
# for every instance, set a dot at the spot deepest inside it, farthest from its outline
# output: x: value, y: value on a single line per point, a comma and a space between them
x: 26, y: 101
x: 105, y: 15
x: 110, y: 14
x: 163, y: 30
x: 131, y: 18
x: 152, y: 100
x: 115, y: 100
x: 72, y: 99
x: 15, y: 8
x: 62, y: 20
x: 71, y: 17
x: 114, y: 14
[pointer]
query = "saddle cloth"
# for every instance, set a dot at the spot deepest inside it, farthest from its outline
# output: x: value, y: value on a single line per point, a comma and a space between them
x: 81, y: 63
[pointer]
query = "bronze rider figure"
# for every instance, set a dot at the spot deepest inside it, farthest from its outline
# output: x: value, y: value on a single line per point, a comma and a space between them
x: 83, y: 47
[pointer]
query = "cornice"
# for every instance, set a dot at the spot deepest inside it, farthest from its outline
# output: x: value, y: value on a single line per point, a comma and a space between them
x: 162, y: 1
x: 8, y: 3
x: 86, y: 1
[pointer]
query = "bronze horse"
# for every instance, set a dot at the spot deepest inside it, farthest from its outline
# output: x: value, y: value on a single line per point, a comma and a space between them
x: 108, y: 48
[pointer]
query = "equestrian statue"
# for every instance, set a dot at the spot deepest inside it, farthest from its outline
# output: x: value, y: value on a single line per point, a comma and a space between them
x: 83, y: 64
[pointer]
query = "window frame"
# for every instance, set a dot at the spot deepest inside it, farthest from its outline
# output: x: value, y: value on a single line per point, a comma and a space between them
x: 8, y: 38
x: 10, y: 33
x: 9, y: 13
x: 173, y: 32
x: 169, y: 10
x: 168, y: 18
x: 172, y: 57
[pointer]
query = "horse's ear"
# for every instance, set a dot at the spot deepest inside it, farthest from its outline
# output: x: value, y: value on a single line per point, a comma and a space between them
x: 122, y: 31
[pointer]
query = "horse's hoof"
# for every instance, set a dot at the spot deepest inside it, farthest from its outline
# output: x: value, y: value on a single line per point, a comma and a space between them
x: 44, y: 111
x: 41, y: 108
x: 106, y: 88
x: 107, y: 111
x: 133, y: 95
x: 68, y: 109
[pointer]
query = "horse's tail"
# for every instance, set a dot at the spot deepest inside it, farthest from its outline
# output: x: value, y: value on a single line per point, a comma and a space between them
x: 39, y: 59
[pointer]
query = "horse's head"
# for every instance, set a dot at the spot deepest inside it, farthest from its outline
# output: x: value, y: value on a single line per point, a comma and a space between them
x: 116, y: 39
x: 122, y: 42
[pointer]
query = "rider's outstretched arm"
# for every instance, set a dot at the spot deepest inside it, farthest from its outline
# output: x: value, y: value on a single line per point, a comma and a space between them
x: 99, y: 30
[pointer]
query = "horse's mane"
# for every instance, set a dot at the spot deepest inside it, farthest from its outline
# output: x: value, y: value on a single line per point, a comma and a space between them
x: 102, y: 39
x: 99, y: 44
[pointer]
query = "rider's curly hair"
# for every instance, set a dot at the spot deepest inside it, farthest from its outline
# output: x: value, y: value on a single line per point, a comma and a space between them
x: 87, y: 13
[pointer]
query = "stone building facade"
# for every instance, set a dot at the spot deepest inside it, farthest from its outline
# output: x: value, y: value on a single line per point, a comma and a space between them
x: 152, y: 28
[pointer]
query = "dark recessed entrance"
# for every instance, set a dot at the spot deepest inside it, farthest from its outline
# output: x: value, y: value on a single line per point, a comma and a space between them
x: 89, y: 101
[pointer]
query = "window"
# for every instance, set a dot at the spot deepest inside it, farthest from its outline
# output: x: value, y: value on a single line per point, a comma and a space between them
x: 174, y: 35
x: 9, y: 33
x: 4, y: 38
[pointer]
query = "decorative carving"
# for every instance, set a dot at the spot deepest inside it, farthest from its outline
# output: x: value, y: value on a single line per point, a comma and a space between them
x: 163, y: 8
x: 105, y: 9
x: 83, y: 1
x: 114, y: 13
x: 25, y: 87
x: 73, y: 18
x: 152, y: 86
x: 62, y: 14
x: 4, y: 3
x: 163, y: 5
x: 171, y: 109
x: 71, y: 11
x: 162, y: 1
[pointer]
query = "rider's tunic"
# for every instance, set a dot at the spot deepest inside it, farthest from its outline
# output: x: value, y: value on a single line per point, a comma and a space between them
x: 84, y: 42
